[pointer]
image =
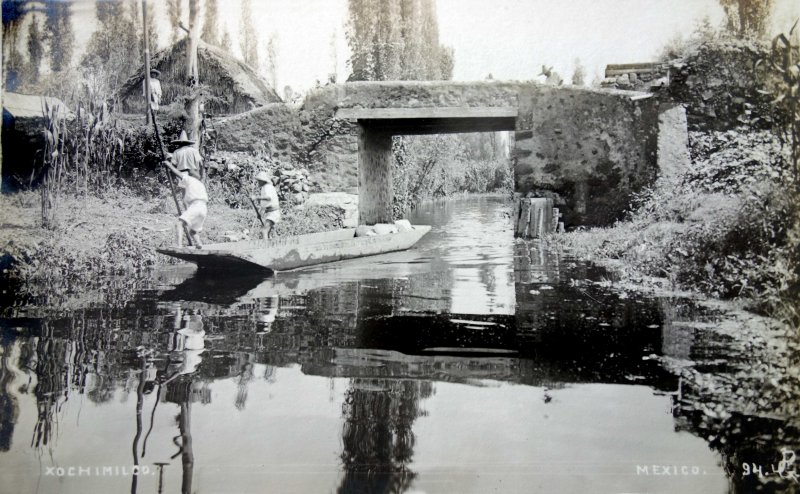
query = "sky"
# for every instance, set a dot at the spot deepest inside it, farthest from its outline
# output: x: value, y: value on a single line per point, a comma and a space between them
x: 510, y: 39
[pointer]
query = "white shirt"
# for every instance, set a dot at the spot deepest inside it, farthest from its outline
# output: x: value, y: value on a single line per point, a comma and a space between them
x: 194, y: 190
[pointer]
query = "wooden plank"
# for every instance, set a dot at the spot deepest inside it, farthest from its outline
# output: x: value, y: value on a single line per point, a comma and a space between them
x: 555, y: 217
x: 610, y: 72
x: 427, y: 112
x: 532, y: 220
x: 547, y: 217
x: 622, y: 66
x: 536, y: 218
x: 524, y: 218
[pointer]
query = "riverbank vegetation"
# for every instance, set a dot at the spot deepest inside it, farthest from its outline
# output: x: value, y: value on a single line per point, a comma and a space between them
x: 728, y: 225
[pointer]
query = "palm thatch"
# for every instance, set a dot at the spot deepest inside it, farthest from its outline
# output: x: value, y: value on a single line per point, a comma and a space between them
x: 234, y: 86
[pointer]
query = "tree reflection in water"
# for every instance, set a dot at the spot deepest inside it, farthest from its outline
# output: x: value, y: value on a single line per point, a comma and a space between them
x: 377, y: 437
x: 9, y: 407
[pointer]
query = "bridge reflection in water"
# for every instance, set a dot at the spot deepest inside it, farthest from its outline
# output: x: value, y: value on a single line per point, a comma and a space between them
x: 468, y: 364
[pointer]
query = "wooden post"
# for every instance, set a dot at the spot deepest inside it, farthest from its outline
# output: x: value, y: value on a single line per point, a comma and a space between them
x: 581, y: 197
x: 524, y: 218
x: 150, y: 113
x: 535, y: 218
x: 192, y: 73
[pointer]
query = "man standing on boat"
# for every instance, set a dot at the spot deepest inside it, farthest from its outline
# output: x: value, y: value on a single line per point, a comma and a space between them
x: 268, y: 199
x: 196, y: 199
x: 186, y: 156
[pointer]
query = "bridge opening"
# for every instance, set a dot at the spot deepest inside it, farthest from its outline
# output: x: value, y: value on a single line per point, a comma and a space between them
x: 377, y: 127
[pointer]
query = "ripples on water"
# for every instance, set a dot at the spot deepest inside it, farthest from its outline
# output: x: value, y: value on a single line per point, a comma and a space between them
x: 471, y: 363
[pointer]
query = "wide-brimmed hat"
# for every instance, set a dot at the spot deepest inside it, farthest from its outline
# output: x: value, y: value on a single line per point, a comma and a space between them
x: 262, y: 176
x: 183, y: 139
x: 155, y: 71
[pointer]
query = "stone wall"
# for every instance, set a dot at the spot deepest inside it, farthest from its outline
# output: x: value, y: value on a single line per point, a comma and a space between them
x: 299, y: 136
x: 588, y: 149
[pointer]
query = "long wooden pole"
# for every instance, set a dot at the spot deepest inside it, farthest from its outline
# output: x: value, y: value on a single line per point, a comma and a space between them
x: 149, y: 112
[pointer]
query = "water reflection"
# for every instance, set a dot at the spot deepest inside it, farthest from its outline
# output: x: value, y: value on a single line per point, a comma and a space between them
x: 377, y: 436
x: 447, y: 367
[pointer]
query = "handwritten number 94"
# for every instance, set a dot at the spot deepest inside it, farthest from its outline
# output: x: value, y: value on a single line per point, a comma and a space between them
x: 785, y: 469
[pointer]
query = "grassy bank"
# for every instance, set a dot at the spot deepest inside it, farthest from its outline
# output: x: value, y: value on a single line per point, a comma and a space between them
x: 115, y: 233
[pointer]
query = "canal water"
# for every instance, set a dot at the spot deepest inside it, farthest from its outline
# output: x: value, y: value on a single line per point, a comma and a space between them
x: 470, y: 363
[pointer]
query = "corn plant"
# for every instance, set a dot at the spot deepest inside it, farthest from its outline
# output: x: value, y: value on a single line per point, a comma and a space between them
x: 55, y: 159
x: 785, y: 60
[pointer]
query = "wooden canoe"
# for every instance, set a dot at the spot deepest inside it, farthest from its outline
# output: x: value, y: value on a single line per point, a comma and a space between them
x: 282, y: 254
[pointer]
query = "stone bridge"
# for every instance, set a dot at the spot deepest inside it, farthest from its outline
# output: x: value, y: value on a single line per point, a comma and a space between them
x: 591, y: 149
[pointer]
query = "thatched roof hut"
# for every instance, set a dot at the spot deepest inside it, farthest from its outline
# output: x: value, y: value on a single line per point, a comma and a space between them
x: 234, y: 86
x: 23, y: 134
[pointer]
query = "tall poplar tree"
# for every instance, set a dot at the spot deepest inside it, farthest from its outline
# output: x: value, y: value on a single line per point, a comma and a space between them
x: 226, y: 43
x: 388, y: 41
x: 578, y: 74
x: 61, y: 38
x: 271, y: 61
x: 248, y: 40
x: 35, y: 51
x: 174, y: 11
x: 396, y: 39
x: 210, y: 32
x: 114, y: 49
x: 747, y: 17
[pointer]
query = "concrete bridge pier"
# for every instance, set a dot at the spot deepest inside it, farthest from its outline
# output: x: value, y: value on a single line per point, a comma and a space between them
x: 375, y: 191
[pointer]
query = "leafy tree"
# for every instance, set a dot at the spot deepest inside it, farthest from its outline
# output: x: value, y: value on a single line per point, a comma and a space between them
x: 175, y: 13
x: 271, y: 60
x: 61, y: 39
x: 396, y: 39
x: 747, y: 17
x: 334, y: 54
x: 413, y: 68
x: 210, y: 32
x: 578, y: 74
x: 114, y: 48
x: 447, y: 61
x: 14, y: 14
x: 360, y: 35
x: 429, y: 31
x: 226, y: 43
x: 248, y: 41
x: 388, y: 41
x: 35, y: 51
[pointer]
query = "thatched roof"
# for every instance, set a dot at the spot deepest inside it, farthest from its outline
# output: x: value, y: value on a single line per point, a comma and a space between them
x: 236, y: 85
x: 17, y: 105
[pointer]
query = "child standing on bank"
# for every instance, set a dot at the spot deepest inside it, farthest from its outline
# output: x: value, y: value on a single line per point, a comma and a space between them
x: 267, y: 198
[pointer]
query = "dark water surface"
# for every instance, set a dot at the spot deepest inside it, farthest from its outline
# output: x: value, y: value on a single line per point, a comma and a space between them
x: 471, y: 363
